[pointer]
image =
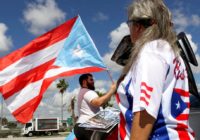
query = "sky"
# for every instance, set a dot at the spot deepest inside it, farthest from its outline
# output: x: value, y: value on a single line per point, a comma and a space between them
x: 105, y: 21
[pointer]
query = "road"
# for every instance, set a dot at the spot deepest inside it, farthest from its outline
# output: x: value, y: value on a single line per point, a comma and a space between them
x: 195, y: 122
x: 35, y: 138
x: 60, y: 136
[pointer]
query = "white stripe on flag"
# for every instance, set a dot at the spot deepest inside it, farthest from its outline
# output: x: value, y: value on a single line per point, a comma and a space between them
x: 56, y: 71
x: 26, y: 94
x: 127, y: 137
x: 38, y: 58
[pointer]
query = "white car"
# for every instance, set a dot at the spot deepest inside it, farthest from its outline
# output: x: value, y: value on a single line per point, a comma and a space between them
x: 4, y: 127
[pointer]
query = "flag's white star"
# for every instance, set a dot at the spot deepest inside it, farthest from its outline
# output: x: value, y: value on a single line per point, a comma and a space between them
x: 78, y: 52
x: 178, y: 105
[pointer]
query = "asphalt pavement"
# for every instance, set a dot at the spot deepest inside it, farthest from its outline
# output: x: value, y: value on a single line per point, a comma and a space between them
x: 61, y: 136
x: 34, y: 138
x: 195, y: 122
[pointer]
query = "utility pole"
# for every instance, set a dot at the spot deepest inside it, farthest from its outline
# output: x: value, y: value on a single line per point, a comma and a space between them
x: 72, y: 107
x: 1, y: 112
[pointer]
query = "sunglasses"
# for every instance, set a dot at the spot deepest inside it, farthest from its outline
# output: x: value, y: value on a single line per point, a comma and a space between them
x: 145, y: 22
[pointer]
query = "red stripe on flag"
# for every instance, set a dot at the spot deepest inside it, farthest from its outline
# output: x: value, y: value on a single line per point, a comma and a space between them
x: 25, y: 113
x: 188, y: 105
x: 147, y: 87
x: 25, y: 79
x: 44, y: 41
x: 182, y: 132
x: 145, y: 93
x: 182, y: 92
x: 144, y: 100
x: 117, y: 98
x: 183, y: 117
x: 122, y: 127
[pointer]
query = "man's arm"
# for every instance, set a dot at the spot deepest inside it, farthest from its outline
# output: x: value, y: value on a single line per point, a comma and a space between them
x: 99, y: 101
x: 142, y: 125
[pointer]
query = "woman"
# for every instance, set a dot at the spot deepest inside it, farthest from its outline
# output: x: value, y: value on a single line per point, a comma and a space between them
x: 153, y: 88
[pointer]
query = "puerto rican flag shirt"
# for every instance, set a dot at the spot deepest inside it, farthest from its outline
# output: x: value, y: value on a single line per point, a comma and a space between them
x: 158, y: 83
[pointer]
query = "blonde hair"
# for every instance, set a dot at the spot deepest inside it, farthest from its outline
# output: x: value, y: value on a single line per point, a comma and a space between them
x: 162, y: 29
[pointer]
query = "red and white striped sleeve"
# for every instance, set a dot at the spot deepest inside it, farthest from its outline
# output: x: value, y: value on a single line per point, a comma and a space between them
x: 149, y: 75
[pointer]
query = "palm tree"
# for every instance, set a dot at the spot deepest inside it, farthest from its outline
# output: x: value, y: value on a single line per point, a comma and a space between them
x: 62, y: 86
x: 72, y: 107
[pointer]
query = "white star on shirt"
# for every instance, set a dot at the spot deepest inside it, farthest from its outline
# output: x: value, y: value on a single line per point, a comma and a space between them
x: 78, y: 52
x: 156, y: 137
x: 178, y: 105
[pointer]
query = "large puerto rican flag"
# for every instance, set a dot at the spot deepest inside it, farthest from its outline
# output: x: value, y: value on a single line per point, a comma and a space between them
x: 25, y: 74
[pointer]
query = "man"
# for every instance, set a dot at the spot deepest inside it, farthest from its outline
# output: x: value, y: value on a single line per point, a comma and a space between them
x: 89, y: 104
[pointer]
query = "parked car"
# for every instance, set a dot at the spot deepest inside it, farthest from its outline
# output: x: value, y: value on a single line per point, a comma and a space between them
x: 194, y: 119
x: 4, y: 127
x: 5, y: 131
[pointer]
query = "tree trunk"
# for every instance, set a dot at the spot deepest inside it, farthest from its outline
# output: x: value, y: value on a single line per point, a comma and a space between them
x: 62, y: 109
x: 73, y: 113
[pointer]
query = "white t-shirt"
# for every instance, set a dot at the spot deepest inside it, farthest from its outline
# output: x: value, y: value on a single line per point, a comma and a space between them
x: 158, y: 83
x: 85, y: 109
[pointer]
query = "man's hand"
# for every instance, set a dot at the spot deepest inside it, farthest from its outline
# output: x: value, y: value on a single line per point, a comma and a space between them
x: 100, y: 101
x: 113, y: 88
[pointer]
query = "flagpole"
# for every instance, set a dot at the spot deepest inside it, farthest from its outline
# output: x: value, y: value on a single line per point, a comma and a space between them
x: 110, y: 76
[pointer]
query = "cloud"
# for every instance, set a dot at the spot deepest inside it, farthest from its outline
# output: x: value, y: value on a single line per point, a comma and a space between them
x: 196, y: 20
x: 114, y: 67
x: 4, y: 110
x: 5, y: 41
x: 50, y: 105
x: 182, y: 21
x: 42, y: 15
x: 198, y: 87
x: 100, y: 17
x: 196, y: 70
x: 102, y: 85
x: 194, y: 47
x: 115, y: 36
